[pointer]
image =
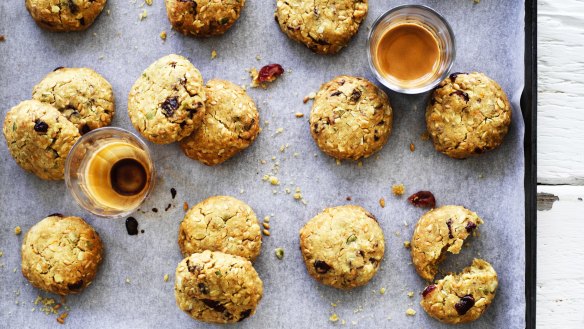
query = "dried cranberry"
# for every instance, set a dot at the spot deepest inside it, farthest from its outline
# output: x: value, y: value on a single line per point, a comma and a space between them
x: 41, y: 126
x: 423, y: 199
x: 355, y: 95
x: 449, y: 224
x: 84, y: 129
x: 58, y: 68
x: 464, y: 304
x: 454, y: 75
x: 213, y: 304
x: 169, y: 106
x: 270, y: 72
x: 321, y: 267
x: 244, y: 315
x: 73, y: 7
x: 75, y: 286
x: 428, y: 290
x: 203, y: 288
x: 461, y: 94
x: 336, y: 93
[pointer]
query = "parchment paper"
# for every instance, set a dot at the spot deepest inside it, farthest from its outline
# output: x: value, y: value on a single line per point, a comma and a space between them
x: 489, y: 38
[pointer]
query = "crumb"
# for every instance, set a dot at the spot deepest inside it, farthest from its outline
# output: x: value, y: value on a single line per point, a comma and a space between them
x: 1, y: 253
x: 185, y: 206
x: 266, y: 232
x: 412, y: 147
x: 213, y: 54
x: 382, y: 202
x: 425, y: 136
x: 2, y: 38
x: 267, y: 219
x: 309, y: 97
x: 258, y: 57
x: 148, y: 2
x: 410, y: 312
x: 274, y: 180
x: 398, y: 189
x: 279, y: 130
x: 17, y: 230
x: 382, y: 291
x: 299, y: 114
x: 477, y: 1
x: 268, y: 73
x: 108, y: 12
x: 334, y: 317
x: 407, y: 244
x: 338, y: 162
x: 348, y: 198
x: 266, y: 225
x: 343, y: 322
x: 360, y: 164
x: 143, y: 15
x: 163, y: 35
x: 62, y: 317
x: 279, y: 253
x: 128, y: 280
x: 166, y: 278
x: 411, y: 294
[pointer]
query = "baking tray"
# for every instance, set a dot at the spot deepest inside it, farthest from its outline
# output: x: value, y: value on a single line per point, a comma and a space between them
x: 35, y: 199
x: 529, y: 109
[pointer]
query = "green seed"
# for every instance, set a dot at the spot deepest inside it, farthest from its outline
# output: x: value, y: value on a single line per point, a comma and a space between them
x: 351, y: 238
x: 279, y: 253
x: 218, y: 273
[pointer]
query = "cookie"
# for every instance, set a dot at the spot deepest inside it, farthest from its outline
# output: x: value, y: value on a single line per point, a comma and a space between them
x: 64, y: 15
x: 81, y: 94
x: 203, y: 18
x: 342, y: 246
x: 221, y: 223
x: 216, y: 287
x: 61, y: 254
x: 231, y: 124
x: 325, y: 27
x: 468, y: 114
x: 464, y: 297
x: 438, y: 231
x: 350, y: 118
x: 39, y: 138
x: 167, y: 102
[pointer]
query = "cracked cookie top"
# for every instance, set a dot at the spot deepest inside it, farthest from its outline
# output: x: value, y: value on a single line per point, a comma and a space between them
x: 203, y: 18
x: 468, y: 114
x: 231, y: 124
x: 221, y: 223
x: 325, y: 27
x: 342, y: 246
x: 350, y: 118
x: 438, y: 231
x: 83, y: 96
x: 61, y: 254
x: 39, y: 138
x: 167, y: 102
x: 216, y: 287
x: 65, y: 15
x: 464, y: 297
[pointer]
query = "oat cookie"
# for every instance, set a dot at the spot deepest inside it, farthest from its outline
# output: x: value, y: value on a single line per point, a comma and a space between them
x: 325, y: 27
x: 342, y: 246
x: 203, y: 18
x: 167, y: 102
x: 231, y: 124
x: 39, y: 138
x: 464, y: 297
x: 438, y: 231
x: 468, y: 114
x: 61, y: 254
x: 64, y: 15
x: 216, y: 287
x: 350, y: 118
x: 221, y: 223
x: 81, y: 94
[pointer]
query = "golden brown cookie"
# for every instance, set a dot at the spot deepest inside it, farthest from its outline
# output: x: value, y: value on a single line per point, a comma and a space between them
x: 438, y: 231
x: 39, y: 138
x: 203, y: 18
x: 64, y: 15
x: 231, y: 124
x: 351, y: 118
x: 325, y: 27
x: 167, y: 102
x: 464, y: 297
x: 61, y: 254
x: 342, y: 246
x: 468, y: 114
x: 83, y: 96
x: 216, y: 287
x: 221, y: 223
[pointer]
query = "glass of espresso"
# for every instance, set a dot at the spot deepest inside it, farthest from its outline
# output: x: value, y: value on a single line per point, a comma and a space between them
x: 109, y: 172
x: 411, y: 49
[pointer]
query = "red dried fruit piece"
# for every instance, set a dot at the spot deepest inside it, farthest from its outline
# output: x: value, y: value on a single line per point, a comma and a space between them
x: 428, y: 290
x: 270, y: 72
x: 470, y: 226
x: 423, y: 199
x: 464, y: 304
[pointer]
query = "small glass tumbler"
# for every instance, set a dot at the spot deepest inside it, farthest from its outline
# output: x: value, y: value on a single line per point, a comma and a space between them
x: 430, y: 20
x: 109, y: 172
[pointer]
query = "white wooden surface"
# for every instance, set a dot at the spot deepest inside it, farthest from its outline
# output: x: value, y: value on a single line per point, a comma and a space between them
x: 560, y: 232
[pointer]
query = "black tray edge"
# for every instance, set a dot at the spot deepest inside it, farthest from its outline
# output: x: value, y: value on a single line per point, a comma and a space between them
x: 529, y: 109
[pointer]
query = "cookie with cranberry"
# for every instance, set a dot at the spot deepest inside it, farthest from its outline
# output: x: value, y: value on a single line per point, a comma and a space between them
x: 342, y: 246
x: 203, y: 18
x: 463, y: 297
x: 64, y: 15
x: 468, y: 114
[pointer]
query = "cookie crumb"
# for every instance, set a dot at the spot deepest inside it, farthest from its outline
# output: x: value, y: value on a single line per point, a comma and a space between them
x: 62, y: 317
x: 360, y: 164
x: 334, y: 317
x: 185, y: 206
x: 338, y: 162
x: 266, y: 232
x: 148, y: 2
x: 308, y: 97
x: 382, y: 291
x: 2, y: 38
x: 279, y: 253
x: 299, y: 114
x: 266, y: 225
x: 213, y: 54
x: 128, y: 280
x: 411, y: 294
x: 258, y: 58
x: 143, y: 15
x: 279, y: 130
x: 163, y: 35
x: 407, y: 244
x: 267, y: 219
x: 274, y: 180
x: 398, y: 189
x: 425, y: 136
x: 412, y: 147
x: 410, y: 312
x: 17, y: 230
x: 382, y: 202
